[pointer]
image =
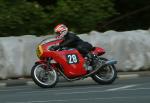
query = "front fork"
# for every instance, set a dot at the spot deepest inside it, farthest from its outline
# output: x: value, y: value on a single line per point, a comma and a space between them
x: 48, y: 62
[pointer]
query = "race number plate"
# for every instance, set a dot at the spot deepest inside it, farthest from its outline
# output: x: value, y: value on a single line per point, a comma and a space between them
x: 72, y: 58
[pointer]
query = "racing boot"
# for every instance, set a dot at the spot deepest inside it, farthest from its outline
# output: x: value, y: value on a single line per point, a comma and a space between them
x: 89, y: 61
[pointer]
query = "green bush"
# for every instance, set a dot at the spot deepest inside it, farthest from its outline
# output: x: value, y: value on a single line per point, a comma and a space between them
x: 82, y: 15
x: 18, y: 17
x: 21, y: 17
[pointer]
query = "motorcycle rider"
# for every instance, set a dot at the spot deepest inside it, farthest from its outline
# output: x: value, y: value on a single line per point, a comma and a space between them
x: 71, y: 40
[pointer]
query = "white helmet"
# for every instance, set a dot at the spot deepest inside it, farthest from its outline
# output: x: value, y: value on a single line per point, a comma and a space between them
x: 61, y: 30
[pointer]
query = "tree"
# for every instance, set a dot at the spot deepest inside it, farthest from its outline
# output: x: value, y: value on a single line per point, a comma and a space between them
x: 18, y: 17
x: 44, y: 2
x: 134, y: 14
x: 84, y: 15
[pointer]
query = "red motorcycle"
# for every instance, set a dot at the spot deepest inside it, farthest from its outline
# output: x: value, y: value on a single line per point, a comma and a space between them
x: 69, y: 63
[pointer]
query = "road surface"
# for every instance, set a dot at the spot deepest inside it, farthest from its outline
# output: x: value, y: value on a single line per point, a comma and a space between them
x: 135, y: 90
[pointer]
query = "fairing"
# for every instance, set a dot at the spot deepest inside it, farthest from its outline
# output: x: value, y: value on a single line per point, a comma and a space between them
x: 71, y: 60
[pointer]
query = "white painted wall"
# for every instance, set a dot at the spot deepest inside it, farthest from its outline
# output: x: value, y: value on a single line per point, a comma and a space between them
x: 131, y: 49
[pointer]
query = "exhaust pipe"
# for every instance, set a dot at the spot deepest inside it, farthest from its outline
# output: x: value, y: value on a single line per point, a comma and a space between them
x: 109, y: 62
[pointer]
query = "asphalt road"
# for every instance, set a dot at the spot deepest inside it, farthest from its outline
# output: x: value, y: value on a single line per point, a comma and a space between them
x: 135, y: 90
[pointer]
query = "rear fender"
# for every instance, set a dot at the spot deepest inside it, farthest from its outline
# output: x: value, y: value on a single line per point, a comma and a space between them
x: 98, y: 51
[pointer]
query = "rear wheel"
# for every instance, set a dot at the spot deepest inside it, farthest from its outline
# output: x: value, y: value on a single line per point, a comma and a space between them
x: 43, y: 77
x: 106, y: 75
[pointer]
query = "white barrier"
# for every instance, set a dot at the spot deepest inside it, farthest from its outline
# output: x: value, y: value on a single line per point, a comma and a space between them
x: 131, y: 49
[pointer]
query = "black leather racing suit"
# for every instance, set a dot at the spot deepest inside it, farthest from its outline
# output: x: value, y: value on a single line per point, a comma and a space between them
x: 73, y: 41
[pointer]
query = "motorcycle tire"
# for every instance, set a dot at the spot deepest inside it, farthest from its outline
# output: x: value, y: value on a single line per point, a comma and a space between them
x: 100, y: 76
x: 47, y: 78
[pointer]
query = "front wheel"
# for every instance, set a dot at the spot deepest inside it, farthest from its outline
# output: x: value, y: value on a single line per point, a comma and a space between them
x: 44, y: 77
x: 106, y: 75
